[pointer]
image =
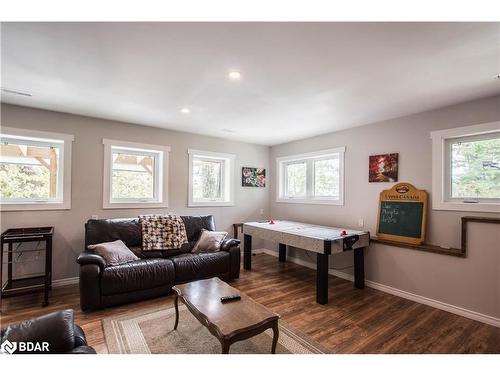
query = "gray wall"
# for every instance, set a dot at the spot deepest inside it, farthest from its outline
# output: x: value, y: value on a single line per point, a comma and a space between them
x: 87, y: 170
x: 472, y: 283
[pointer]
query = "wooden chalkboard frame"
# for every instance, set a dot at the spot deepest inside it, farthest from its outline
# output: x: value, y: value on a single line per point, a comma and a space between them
x: 403, y: 192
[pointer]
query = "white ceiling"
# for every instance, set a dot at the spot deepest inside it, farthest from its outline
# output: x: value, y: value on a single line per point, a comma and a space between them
x: 298, y: 79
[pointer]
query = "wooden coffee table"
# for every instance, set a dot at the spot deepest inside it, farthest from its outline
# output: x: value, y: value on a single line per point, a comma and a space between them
x: 229, y: 322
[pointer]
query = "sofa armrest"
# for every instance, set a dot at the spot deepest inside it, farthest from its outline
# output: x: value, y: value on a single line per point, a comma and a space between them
x: 91, y: 258
x: 232, y: 246
x: 90, y: 286
x: 229, y: 243
x: 81, y: 346
x: 80, y: 339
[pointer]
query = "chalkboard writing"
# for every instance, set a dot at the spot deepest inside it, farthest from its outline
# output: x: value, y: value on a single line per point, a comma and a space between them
x: 402, y: 214
x: 401, y: 218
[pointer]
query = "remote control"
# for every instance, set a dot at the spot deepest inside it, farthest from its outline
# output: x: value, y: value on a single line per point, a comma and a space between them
x: 234, y: 297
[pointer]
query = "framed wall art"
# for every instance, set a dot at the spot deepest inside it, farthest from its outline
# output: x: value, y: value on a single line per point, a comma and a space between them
x: 253, y: 177
x: 383, y: 168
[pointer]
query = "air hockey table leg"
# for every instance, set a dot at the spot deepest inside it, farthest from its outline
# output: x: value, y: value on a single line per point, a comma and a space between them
x: 359, y: 268
x: 322, y: 278
x: 282, y: 252
x: 247, y: 252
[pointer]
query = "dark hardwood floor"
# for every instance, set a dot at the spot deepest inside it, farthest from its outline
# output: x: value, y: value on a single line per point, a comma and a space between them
x: 354, y: 321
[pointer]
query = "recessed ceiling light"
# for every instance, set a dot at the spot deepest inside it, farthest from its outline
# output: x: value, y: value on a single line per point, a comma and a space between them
x: 16, y: 92
x: 234, y: 75
x: 228, y: 130
x: 185, y: 110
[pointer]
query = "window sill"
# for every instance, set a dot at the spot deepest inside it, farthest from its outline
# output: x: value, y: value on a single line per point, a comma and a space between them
x: 4, y: 207
x: 470, y: 207
x: 110, y: 206
x: 211, y: 204
x: 311, y: 201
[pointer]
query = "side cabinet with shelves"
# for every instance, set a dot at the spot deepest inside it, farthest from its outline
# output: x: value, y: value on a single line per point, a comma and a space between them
x: 21, y: 250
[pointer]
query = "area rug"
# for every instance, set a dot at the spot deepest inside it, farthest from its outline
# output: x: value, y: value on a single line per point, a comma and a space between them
x: 151, y: 332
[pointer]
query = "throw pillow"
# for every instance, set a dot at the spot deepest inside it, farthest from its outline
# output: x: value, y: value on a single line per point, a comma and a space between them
x: 162, y: 232
x: 209, y: 242
x: 114, y: 253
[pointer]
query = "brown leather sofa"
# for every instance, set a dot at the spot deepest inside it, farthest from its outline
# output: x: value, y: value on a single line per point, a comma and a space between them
x: 157, y: 271
x: 56, y: 332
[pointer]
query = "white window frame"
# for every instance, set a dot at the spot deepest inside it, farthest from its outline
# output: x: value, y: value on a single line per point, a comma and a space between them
x: 441, y: 180
x: 227, y: 183
x: 160, y: 177
x: 309, y: 158
x: 64, y: 143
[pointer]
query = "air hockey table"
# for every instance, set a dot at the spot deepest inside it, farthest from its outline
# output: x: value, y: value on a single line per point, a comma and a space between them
x: 323, y: 241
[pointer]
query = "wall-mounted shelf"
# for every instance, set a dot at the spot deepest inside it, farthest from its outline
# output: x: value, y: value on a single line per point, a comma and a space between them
x: 462, y: 252
x: 424, y: 247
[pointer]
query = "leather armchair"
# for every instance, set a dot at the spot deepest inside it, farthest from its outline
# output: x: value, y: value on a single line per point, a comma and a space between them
x: 58, y: 330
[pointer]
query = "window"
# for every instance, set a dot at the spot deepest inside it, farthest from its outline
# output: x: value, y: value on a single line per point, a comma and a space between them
x: 35, y: 170
x: 134, y: 175
x: 466, y: 168
x: 316, y: 177
x: 326, y: 178
x: 295, y: 179
x: 210, y: 179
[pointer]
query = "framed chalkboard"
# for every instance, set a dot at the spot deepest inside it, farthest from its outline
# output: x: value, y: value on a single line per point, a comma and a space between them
x: 402, y: 214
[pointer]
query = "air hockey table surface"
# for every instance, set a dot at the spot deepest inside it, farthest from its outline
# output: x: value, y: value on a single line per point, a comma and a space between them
x: 308, y: 236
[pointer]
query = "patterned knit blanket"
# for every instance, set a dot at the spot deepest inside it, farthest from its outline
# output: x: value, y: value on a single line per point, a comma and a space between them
x: 162, y: 232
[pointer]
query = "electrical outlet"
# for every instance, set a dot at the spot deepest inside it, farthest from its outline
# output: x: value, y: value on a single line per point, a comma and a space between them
x: 361, y: 223
x: 262, y: 211
x: 94, y: 217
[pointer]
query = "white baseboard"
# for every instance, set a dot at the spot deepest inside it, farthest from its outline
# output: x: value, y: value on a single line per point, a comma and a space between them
x: 491, y: 320
x: 64, y: 282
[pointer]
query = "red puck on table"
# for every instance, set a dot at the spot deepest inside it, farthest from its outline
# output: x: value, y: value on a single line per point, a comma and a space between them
x: 343, y: 233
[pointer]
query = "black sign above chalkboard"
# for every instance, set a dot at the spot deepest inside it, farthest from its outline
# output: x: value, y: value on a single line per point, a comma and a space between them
x: 402, y: 214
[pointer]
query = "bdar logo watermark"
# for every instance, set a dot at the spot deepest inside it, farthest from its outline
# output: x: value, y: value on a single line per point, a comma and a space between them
x: 10, y: 347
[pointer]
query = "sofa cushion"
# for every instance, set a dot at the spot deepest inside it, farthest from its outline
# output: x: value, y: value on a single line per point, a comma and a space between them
x: 199, y: 266
x: 209, y: 241
x: 107, y: 230
x: 114, y: 253
x: 194, y: 225
x: 138, y: 275
x: 137, y: 250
